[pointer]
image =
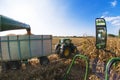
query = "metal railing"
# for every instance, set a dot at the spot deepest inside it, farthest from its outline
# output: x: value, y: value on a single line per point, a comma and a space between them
x: 74, y: 58
x: 108, y: 66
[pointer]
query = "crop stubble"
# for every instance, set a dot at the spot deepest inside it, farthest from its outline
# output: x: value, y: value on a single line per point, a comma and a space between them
x: 57, y: 67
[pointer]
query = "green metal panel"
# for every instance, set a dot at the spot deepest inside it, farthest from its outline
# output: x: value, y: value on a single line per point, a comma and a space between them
x: 10, y: 24
x: 36, y: 45
x: 46, y: 43
x: 24, y: 46
x: 4, y: 49
x: 13, y: 46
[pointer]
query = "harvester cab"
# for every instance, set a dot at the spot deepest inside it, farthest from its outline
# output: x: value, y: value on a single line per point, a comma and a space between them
x: 101, y: 33
x: 10, y: 24
x: 65, y: 41
x: 65, y: 47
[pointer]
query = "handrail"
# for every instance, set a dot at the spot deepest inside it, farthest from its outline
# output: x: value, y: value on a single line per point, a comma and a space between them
x: 87, y: 66
x: 108, y: 66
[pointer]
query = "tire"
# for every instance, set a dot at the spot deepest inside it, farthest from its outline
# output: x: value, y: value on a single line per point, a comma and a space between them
x: 44, y: 60
x: 65, y: 52
x: 14, y: 65
x: 11, y: 65
x: 75, y: 50
x: 5, y: 66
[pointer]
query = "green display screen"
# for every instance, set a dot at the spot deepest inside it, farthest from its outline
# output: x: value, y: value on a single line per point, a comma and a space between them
x: 100, y: 22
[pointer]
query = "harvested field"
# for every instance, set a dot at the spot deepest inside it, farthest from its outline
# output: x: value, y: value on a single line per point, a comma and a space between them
x: 58, y: 66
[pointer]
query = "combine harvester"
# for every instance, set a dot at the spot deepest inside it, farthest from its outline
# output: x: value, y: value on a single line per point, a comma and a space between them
x: 101, y: 39
x: 14, y: 49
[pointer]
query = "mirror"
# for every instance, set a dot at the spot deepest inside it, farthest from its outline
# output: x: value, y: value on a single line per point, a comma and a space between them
x: 101, y: 33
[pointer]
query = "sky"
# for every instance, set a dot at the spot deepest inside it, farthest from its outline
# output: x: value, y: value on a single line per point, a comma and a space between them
x: 63, y: 17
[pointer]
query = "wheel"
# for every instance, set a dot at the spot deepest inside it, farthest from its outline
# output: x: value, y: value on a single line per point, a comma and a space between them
x: 75, y: 50
x: 44, y: 60
x: 65, y: 52
x: 14, y: 64
x: 57, y: 49
x: 5, y: 66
